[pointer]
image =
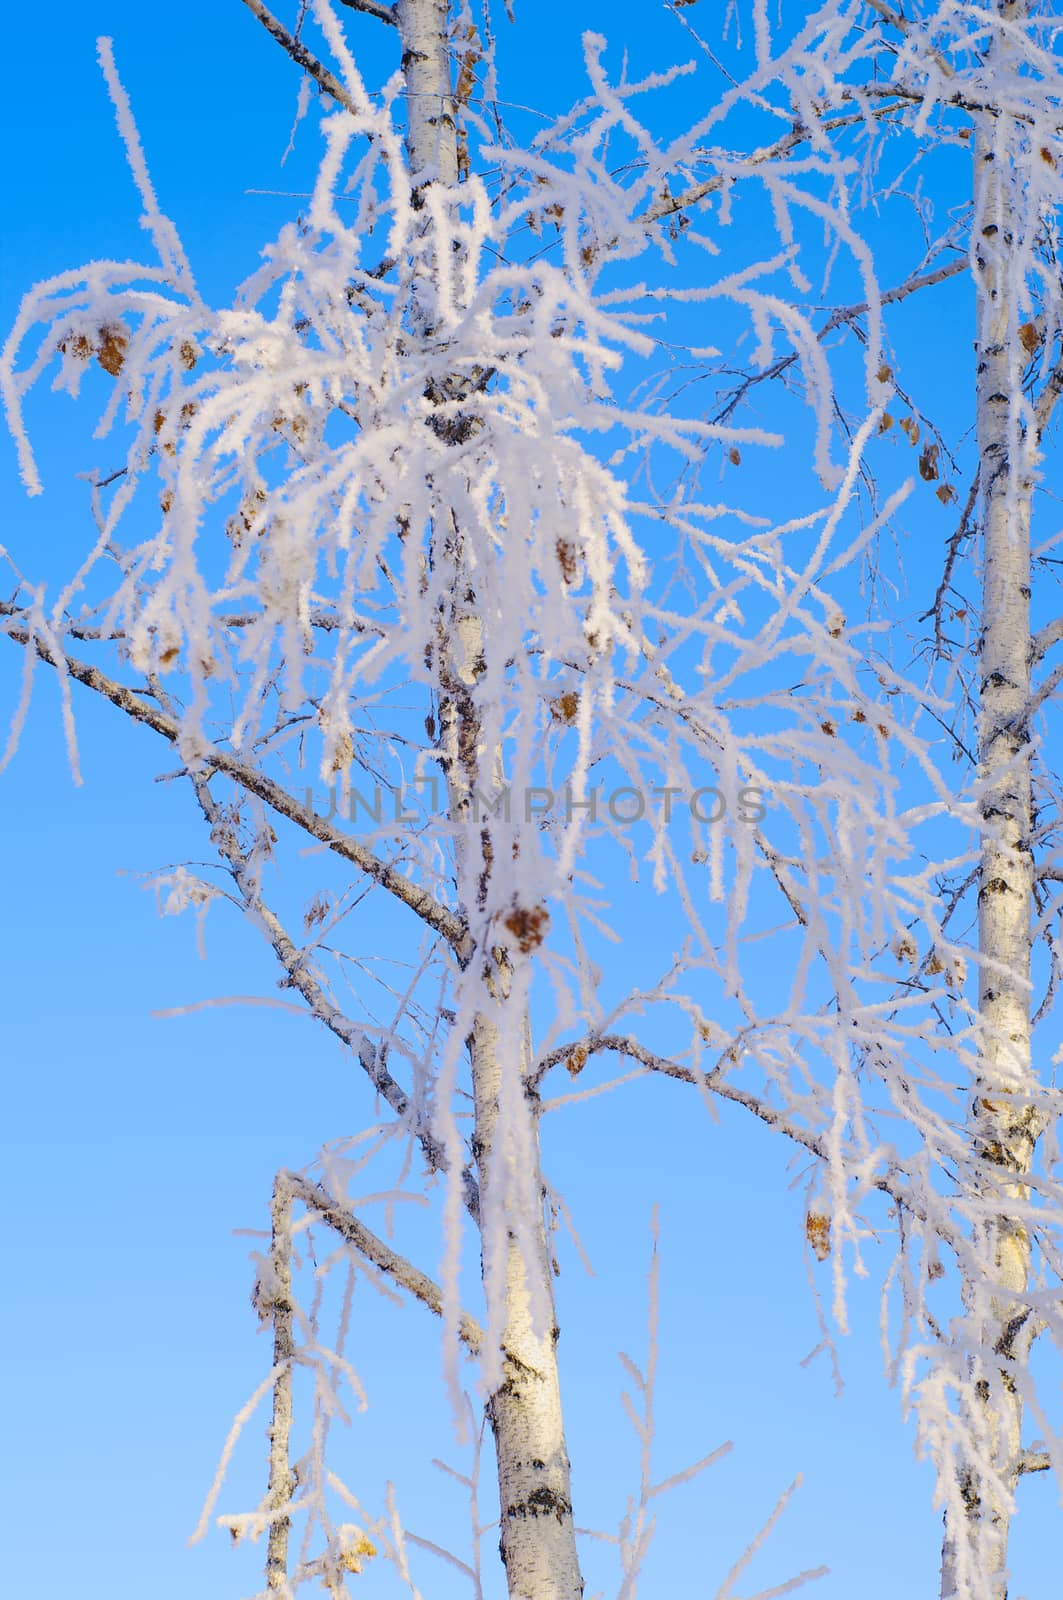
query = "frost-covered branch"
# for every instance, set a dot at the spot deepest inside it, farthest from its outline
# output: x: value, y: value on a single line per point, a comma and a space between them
x: 452, y: 489
x: 257, y: 783
x: 396, y: 1267
x: 322, y: 76
x: 373, y: 8
x: 278, y: 1306
x: 1046, y: 637
x: 716, y: 1081
x: 300, y: 976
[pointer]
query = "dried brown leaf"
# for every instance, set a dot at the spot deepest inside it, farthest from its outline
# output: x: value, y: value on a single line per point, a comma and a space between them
x: 1029, y: 337
x: 528, y: 925
x: 928, y: 463
x: 111, y: 352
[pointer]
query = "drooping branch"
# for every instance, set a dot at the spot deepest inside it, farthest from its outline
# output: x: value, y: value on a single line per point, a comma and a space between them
x: 412, y: 895
x: 887, y: 14
x: 300, y: 978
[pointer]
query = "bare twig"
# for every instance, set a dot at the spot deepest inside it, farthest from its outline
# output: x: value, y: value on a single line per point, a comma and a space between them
x: 962, y: 532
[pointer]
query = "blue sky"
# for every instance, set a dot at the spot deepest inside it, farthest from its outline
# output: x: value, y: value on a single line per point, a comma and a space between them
x: 136, y: 1145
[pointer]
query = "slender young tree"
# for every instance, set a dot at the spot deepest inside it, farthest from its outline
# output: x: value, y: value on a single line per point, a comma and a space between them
x: 441, y: 449
x: 1017, y: 311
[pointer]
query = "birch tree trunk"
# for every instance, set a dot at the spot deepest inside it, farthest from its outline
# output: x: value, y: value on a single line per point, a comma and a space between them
x: 1004, y: 1124
x: 537, y: 1543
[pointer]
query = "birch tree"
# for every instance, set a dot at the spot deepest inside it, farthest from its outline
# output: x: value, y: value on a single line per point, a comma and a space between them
x: 449, y: 548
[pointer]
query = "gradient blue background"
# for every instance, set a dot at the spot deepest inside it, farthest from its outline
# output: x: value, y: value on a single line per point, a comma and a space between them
x: 135, y: 1145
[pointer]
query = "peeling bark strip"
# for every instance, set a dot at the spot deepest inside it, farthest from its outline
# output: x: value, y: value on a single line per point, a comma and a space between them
x: 1004, y: 1124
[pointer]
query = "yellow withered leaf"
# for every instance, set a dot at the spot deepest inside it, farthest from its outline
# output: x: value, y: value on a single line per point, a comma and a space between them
x: 355, y: 1546
x: 817, y: 1232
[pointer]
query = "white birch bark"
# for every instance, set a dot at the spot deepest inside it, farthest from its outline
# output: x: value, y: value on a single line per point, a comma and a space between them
x: 281, y: 1477
x: 429, y: 103
x: 1004, y: 1124
x: 537, y: 1543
